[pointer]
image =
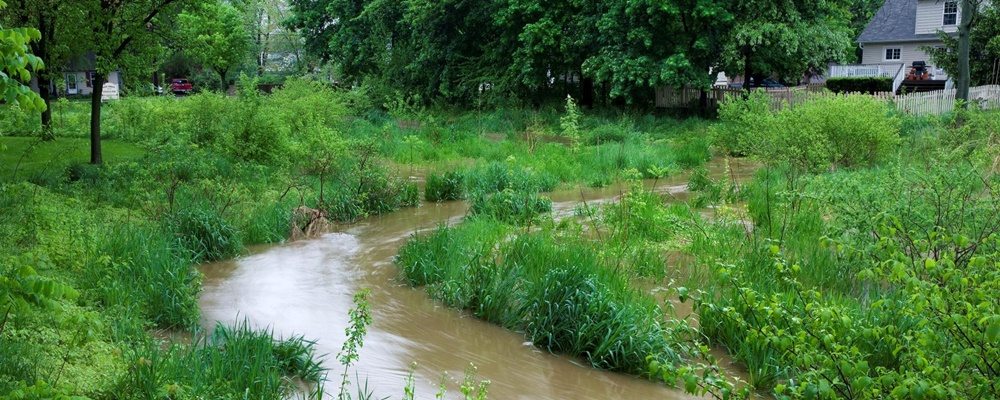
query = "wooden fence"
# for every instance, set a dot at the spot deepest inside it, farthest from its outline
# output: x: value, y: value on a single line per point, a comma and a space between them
x: 929, y: 103
x: 667, y: 97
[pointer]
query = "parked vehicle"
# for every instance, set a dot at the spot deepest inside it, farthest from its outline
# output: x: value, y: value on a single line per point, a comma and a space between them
x: 767, y: 83
x: 181, y: 86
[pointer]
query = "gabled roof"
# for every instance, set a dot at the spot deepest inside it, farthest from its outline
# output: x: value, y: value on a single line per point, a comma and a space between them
x: 83, y: 62
x: 896, y: 21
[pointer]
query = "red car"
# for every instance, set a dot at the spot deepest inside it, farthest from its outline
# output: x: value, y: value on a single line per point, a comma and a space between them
x: 181, y: 86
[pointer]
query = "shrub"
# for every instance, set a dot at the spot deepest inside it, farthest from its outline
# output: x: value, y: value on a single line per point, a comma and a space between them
x: 824, y: 132
x: 255, y: 134
x: 446, y: 187
x: 302, y: 102
x: 744, y: 124
x: 867, y: 85
x: 206, y: 116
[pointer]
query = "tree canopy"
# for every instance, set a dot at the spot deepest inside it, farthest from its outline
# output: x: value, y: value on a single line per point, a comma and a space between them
x: 984, y: 49
x: 461, y: 50
x: 214, y: 34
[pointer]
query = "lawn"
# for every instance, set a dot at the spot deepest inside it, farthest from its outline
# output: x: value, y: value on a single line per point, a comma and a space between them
x: 28, y: 156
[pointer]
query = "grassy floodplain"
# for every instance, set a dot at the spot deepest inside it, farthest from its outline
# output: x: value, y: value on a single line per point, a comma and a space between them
x: 95, y: 259
x: 859, y: 262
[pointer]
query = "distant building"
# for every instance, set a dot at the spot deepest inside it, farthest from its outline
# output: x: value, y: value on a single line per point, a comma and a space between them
x: 897, y: 37
x: 78, y: 75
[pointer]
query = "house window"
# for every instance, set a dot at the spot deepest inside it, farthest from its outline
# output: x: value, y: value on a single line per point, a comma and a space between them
x: 893, y: 53
x: 89, y: 78
x: 71, y: 82
x: 950, y: 12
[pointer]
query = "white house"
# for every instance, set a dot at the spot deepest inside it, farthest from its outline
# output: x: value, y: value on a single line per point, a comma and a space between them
x: 897, y: 35
x: 78, y: 75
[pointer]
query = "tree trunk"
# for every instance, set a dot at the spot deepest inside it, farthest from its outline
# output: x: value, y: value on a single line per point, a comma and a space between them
x: 95, y: 118
x: 41, y: 48
x: 44, y: 90
x: 747, y: 69
x: 703, y: 102
x: 586, y: 91
x: 222, y: 80
x: 964, y: 78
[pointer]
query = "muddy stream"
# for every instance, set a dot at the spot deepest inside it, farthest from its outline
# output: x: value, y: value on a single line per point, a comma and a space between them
x: 305, y: 288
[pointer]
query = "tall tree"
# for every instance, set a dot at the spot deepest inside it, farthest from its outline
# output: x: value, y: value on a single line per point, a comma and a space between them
x: 214, y: 35
x: 122, y: 33
x: 970, y: 10
x: 16, y: 65
x: 648, y: 43
x: 54, y: 21
x: 984, y: 49
x: 786, y: 38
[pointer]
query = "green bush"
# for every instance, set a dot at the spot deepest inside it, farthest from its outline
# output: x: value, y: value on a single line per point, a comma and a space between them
x: 446, y: 187
x: 206, y: 116
x: 254, y: 134
x: 868, y: 85
x: 824, y: 132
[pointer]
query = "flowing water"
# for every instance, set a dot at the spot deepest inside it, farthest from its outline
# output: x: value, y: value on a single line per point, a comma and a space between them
x: 305, y: 288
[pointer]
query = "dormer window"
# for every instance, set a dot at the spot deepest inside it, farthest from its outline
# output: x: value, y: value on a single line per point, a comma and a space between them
x: 950, y: 13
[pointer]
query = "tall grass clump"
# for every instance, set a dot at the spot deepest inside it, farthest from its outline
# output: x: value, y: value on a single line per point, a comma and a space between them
x: 555, y: 290
x: 445, y: 187
x: 497, y: 177
x: 515, y: 207
x: 141, y: 270
x: 205, y: 234
x: 855, y: 284
x: 230, y: 361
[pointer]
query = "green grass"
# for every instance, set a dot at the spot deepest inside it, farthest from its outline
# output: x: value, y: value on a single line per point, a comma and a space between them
x: 31, y: 157
x: 555, y: 289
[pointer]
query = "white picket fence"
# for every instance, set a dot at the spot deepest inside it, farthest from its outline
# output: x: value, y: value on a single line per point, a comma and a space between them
x: 942, y: 101
x: 928, y: 103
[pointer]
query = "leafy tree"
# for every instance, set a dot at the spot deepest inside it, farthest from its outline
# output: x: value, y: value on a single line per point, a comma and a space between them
x: 264, y: 24
x: 548, y: 43
x: 214, y: 35
x: 984, y: 49
x: 56, y: 44
x: 123, y: 34
x: 785, y: 39
x: 862, y: 12
x: 16, y: 64
x: 649, y: 43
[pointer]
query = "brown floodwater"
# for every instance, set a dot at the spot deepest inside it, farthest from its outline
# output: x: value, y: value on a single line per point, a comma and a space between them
x: 305, y: 288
